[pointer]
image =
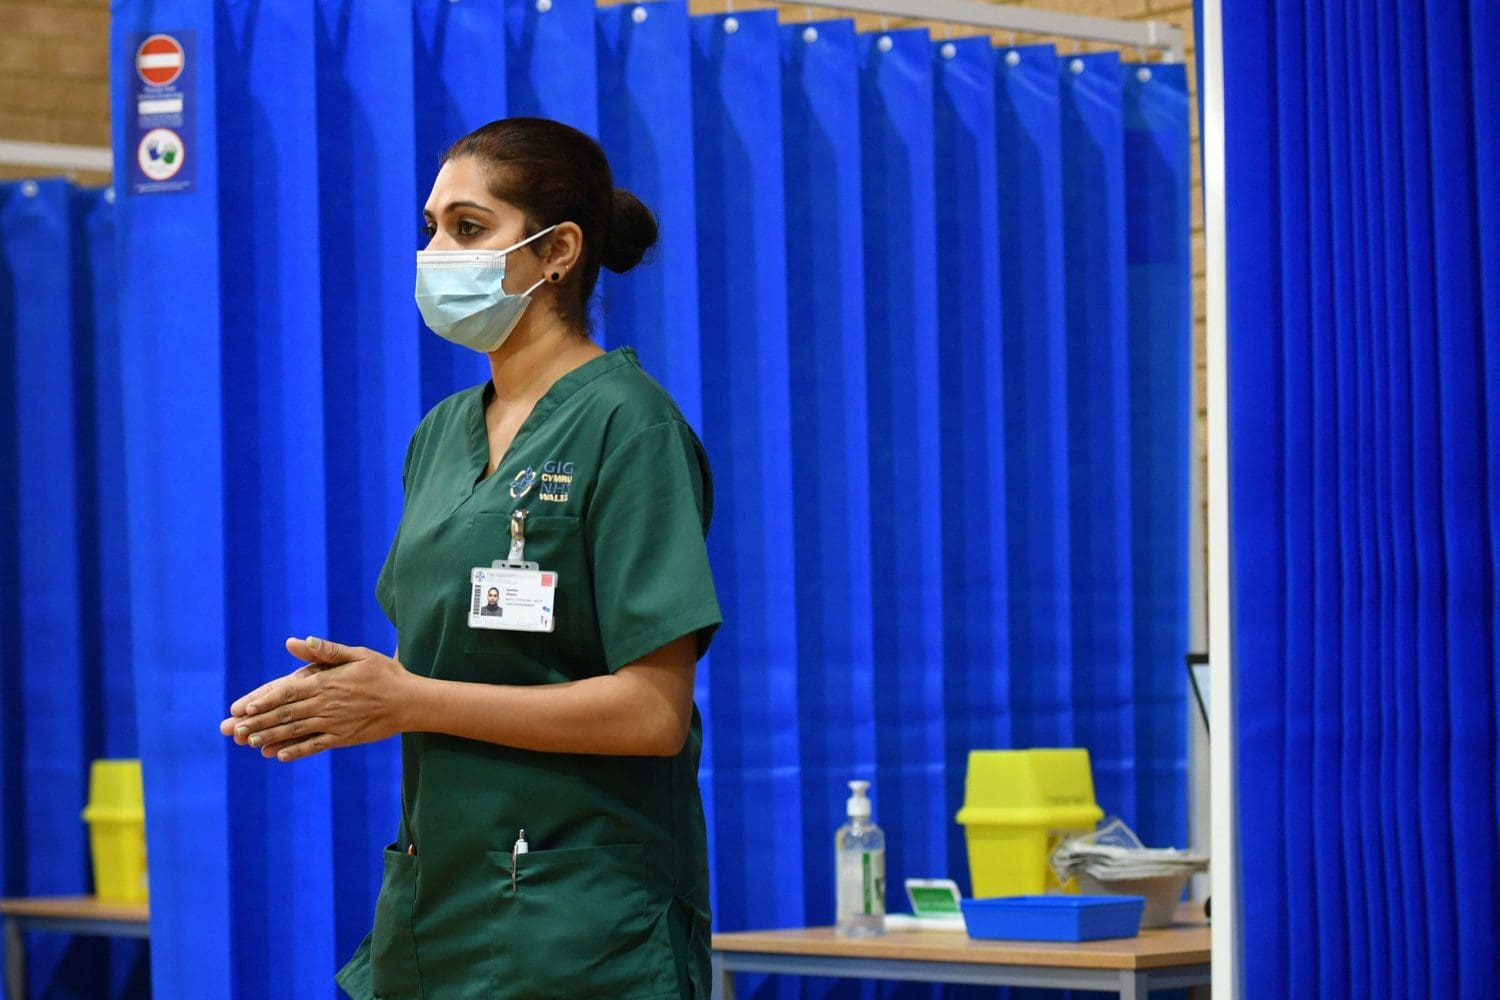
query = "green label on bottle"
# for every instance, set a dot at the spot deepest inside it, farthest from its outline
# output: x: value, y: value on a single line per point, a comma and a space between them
x: 869, y: 884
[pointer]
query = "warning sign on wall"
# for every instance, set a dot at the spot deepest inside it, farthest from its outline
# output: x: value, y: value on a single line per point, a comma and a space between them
x: 161, y: 116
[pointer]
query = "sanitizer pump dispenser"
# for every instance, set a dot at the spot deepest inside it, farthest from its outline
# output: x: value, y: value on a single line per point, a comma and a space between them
x: 859, y: 865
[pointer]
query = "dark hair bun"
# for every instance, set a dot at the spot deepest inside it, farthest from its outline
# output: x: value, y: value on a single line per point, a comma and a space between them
x: 631, y: 231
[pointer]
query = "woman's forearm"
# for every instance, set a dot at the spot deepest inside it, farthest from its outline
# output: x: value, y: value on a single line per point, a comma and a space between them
x: 638, y: 711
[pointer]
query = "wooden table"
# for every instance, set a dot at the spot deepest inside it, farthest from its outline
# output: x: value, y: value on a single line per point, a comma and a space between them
x: 1171, y: 958
x: 63, y: 915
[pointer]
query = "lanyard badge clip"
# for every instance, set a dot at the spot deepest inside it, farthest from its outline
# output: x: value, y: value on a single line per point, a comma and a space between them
x: 517, y: 536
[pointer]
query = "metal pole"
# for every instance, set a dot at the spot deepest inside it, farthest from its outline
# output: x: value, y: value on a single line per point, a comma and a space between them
x: 1223, y: 836
x: 15, y: 960
x: 1136, y: 34
x: 51, y: 155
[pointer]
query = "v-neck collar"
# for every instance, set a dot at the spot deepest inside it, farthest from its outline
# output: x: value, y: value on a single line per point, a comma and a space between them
x: 559, y: 393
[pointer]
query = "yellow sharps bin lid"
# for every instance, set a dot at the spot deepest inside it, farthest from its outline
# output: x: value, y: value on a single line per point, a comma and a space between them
x: 1035, y: 788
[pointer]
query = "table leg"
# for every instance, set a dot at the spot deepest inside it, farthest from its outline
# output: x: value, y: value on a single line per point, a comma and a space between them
x: 1134, y: 985
x: 15, y: 961
x: 723, y: 979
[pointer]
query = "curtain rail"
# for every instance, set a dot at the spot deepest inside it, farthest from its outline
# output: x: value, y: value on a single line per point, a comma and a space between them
x: 1140, y: 34
x: 14, y: 153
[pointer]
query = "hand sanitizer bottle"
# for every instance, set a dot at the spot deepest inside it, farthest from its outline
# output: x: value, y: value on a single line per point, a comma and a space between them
x: 859, y: 866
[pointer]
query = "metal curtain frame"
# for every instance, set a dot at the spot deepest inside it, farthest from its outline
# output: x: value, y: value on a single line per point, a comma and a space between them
x: 1128, y: 984
x: 1227, y: 982
x: 1139, y: 34
x: 55, y: 155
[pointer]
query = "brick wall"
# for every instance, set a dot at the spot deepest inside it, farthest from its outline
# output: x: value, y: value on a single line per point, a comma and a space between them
x: 54, y: 76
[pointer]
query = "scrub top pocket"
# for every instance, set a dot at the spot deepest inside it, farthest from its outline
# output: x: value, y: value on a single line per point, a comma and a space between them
x: 582, y: 916
x: 393, y: 946
x: 555, y: 544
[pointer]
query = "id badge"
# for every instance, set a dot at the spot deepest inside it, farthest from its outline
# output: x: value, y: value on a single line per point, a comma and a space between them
x: 512, y: 597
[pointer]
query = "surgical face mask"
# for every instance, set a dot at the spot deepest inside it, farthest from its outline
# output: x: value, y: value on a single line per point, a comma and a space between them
x: 462, y: 296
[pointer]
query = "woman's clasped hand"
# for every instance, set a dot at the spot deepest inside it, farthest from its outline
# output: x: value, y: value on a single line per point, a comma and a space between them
x: 341, y: 696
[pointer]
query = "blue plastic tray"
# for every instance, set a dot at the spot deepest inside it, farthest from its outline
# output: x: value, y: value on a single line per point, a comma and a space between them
x: 1054, y: 918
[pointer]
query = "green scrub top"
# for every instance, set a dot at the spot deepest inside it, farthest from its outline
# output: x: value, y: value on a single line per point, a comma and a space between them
x: 612, y: 899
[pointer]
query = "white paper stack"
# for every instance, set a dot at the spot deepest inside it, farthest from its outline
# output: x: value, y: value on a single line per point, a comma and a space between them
x: 1114, y: 864
x: 1112, y: 860
x: 1113, y: 853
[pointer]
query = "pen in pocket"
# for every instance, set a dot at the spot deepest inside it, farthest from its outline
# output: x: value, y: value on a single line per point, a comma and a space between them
x: 515, y: 852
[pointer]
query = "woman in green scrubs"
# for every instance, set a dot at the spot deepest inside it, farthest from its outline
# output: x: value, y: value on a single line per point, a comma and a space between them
x: 574, y: 719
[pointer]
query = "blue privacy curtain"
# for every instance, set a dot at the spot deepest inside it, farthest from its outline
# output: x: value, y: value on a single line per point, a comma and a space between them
x: 830, y: 458
x: 1363, y: 193
x: 971, y: 414
x: 1028, y: 126
x: 742, y: 312
x: 460, y: 91
x: 924, y: 300
x: 908, y: 478
x: 1158, y: 289
x: 66, y: 688
x: 365, y: 56
x: 269, y: 392
x: 1098, y: 388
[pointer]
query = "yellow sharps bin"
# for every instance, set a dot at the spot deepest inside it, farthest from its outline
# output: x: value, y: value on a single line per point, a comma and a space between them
x: 1017, y: 805
x: 116, y: 816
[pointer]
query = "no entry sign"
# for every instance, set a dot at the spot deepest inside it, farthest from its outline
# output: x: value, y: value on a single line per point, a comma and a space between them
x: 159, y: 60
